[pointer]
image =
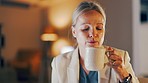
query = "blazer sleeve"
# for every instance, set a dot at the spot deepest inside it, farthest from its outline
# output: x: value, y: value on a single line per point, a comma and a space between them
x: 128, y: 67
x: 54, y: 76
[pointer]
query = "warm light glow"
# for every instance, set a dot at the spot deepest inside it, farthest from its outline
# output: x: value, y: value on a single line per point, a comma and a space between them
x: 60, y: 18
x: 58, y: 45
x: 49, y: 37
x: 60, y: 14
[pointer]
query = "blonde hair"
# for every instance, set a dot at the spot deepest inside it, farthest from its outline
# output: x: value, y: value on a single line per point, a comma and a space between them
x: 85, y: 6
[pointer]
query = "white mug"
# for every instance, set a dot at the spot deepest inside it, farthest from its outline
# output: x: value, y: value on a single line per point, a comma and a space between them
x: 94, y: 58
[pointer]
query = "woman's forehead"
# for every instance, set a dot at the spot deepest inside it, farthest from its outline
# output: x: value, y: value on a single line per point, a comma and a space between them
x: 91, y: 15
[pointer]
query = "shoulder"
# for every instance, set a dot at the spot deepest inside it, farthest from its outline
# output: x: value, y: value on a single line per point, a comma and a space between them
x: 62, y: 59
x: 65, y: 56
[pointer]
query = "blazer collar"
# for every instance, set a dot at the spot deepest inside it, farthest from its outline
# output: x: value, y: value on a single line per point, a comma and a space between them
x: 73, y: 68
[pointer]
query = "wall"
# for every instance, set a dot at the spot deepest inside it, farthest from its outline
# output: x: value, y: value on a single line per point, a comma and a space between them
x: 21, y: 28
x: 119, y: 27
x: 140, y: 41
x: 125, y: 31
x: 119, y: 24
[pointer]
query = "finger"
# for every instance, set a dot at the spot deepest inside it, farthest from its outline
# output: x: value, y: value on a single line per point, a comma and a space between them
x: 109, y: 51
x: 114, y: 64
x: 109, y: 64
x: 112, y: 52
x: 109, y: 48
x: 115, y: 57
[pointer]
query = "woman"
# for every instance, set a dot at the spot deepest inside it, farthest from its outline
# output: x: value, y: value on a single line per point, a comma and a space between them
x: 88, y: 28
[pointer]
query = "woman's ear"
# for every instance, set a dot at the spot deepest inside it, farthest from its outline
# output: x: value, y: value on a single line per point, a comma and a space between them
x: 73, y: 31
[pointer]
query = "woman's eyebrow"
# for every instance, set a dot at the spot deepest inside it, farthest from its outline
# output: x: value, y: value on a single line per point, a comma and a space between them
x: 100, y: 23
x: 89, y: 23
x: 84, y: 23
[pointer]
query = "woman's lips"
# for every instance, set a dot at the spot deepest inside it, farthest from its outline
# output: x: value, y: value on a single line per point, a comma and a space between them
x: 92, y: 42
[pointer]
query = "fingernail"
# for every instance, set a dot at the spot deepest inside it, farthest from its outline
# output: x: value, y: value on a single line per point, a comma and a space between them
x: 107, y: 53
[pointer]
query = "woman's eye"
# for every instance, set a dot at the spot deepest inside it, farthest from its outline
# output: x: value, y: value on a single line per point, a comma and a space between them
x: 85, y: 28
x: 98, y: 28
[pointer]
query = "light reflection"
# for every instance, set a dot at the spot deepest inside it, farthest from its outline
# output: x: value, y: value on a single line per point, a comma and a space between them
x: 58, y: 46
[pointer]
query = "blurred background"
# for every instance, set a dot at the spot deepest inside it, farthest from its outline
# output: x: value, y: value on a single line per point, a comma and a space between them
x: 32, y: 32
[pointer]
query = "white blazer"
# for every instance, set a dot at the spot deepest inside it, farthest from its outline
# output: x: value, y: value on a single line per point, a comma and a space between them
x: 65, y: 68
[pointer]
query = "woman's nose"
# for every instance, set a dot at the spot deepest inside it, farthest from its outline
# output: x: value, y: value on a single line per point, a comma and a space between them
x: 93, y: 34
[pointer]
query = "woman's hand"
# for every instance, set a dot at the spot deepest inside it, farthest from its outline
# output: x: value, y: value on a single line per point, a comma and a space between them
x: 115, y: 62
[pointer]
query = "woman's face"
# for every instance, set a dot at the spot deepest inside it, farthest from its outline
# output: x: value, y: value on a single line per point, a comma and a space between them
x: 89, y: 29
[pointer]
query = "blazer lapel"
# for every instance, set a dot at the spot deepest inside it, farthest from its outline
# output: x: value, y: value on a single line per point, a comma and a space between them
x: 73, y: 69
